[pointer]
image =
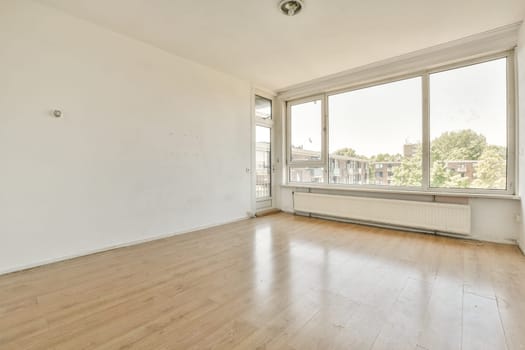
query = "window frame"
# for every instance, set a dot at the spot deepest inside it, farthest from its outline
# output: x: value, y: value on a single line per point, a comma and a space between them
x: 371, y: 186
x: 306, y: 163
x: 265, y: 123
x: 425, y: 104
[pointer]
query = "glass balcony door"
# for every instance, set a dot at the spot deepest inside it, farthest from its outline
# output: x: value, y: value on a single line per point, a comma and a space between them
x: 263, y: 153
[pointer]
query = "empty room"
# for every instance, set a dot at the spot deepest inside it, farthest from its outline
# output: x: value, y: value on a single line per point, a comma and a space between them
x: 277, y: 174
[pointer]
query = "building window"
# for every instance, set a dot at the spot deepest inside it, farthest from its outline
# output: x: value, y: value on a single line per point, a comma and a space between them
x: 445, y: 130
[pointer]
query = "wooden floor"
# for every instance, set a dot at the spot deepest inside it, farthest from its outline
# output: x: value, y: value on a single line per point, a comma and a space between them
x: 276, y: 282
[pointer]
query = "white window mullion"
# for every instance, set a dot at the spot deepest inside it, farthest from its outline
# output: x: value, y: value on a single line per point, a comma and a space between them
x: 425, y: 144
x: 325, y: 149
x: 512, y: 130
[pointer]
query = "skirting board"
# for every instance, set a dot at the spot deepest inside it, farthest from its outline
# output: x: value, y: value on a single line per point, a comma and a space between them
x: 114, y: 246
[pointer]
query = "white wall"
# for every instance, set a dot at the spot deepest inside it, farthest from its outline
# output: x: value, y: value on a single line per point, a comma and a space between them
x: 521, y: 104
x: 150, y: 144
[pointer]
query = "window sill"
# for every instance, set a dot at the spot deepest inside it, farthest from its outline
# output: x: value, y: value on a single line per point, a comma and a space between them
x: 400, y: 191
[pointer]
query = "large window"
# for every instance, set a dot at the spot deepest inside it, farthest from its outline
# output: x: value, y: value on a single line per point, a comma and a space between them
x: 468, y: 126
x: 445, y: 130
x: 375, y: 135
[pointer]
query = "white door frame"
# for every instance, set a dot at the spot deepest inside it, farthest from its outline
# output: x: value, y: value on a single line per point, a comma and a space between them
x: 266, y: 123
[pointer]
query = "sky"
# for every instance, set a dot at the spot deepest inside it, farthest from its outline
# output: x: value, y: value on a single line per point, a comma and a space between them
x: 381, y: 119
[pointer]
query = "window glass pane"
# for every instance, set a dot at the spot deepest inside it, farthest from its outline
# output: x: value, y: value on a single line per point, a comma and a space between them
x: 263, y: 107
x: 305, y: 125
x: 375, y: 135
x: 306, y: 175
x: 262, y: 162
x: 468, y: 126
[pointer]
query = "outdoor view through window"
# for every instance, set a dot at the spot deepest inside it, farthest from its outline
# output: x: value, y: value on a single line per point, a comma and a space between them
x: 375, y: 134
x: 306, y: 121
x: 468, y: 127
x: 263, y: 148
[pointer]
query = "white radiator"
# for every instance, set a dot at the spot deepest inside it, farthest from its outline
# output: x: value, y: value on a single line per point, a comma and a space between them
x: 443, y: 217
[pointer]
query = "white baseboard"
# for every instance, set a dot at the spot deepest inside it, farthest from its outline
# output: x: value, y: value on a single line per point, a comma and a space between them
x: 114, y: 246
x: 509, y: 241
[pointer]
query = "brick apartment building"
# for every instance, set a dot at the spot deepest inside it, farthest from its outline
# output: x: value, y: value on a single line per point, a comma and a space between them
x: 349, y: 170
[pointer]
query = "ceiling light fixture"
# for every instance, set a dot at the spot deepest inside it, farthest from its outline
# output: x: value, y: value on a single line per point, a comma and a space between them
x: 291, y: 7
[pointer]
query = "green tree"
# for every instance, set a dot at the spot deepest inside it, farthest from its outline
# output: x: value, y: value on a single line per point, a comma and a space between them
x: 442, y: 176
x: 348, y: 152
x: 409, y: 173
x: 458, y: 145
x: 386, y: 157
x: 492, y: 168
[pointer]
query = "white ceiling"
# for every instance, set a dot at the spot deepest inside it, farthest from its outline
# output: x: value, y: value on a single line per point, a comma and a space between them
x: 252, y: 40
